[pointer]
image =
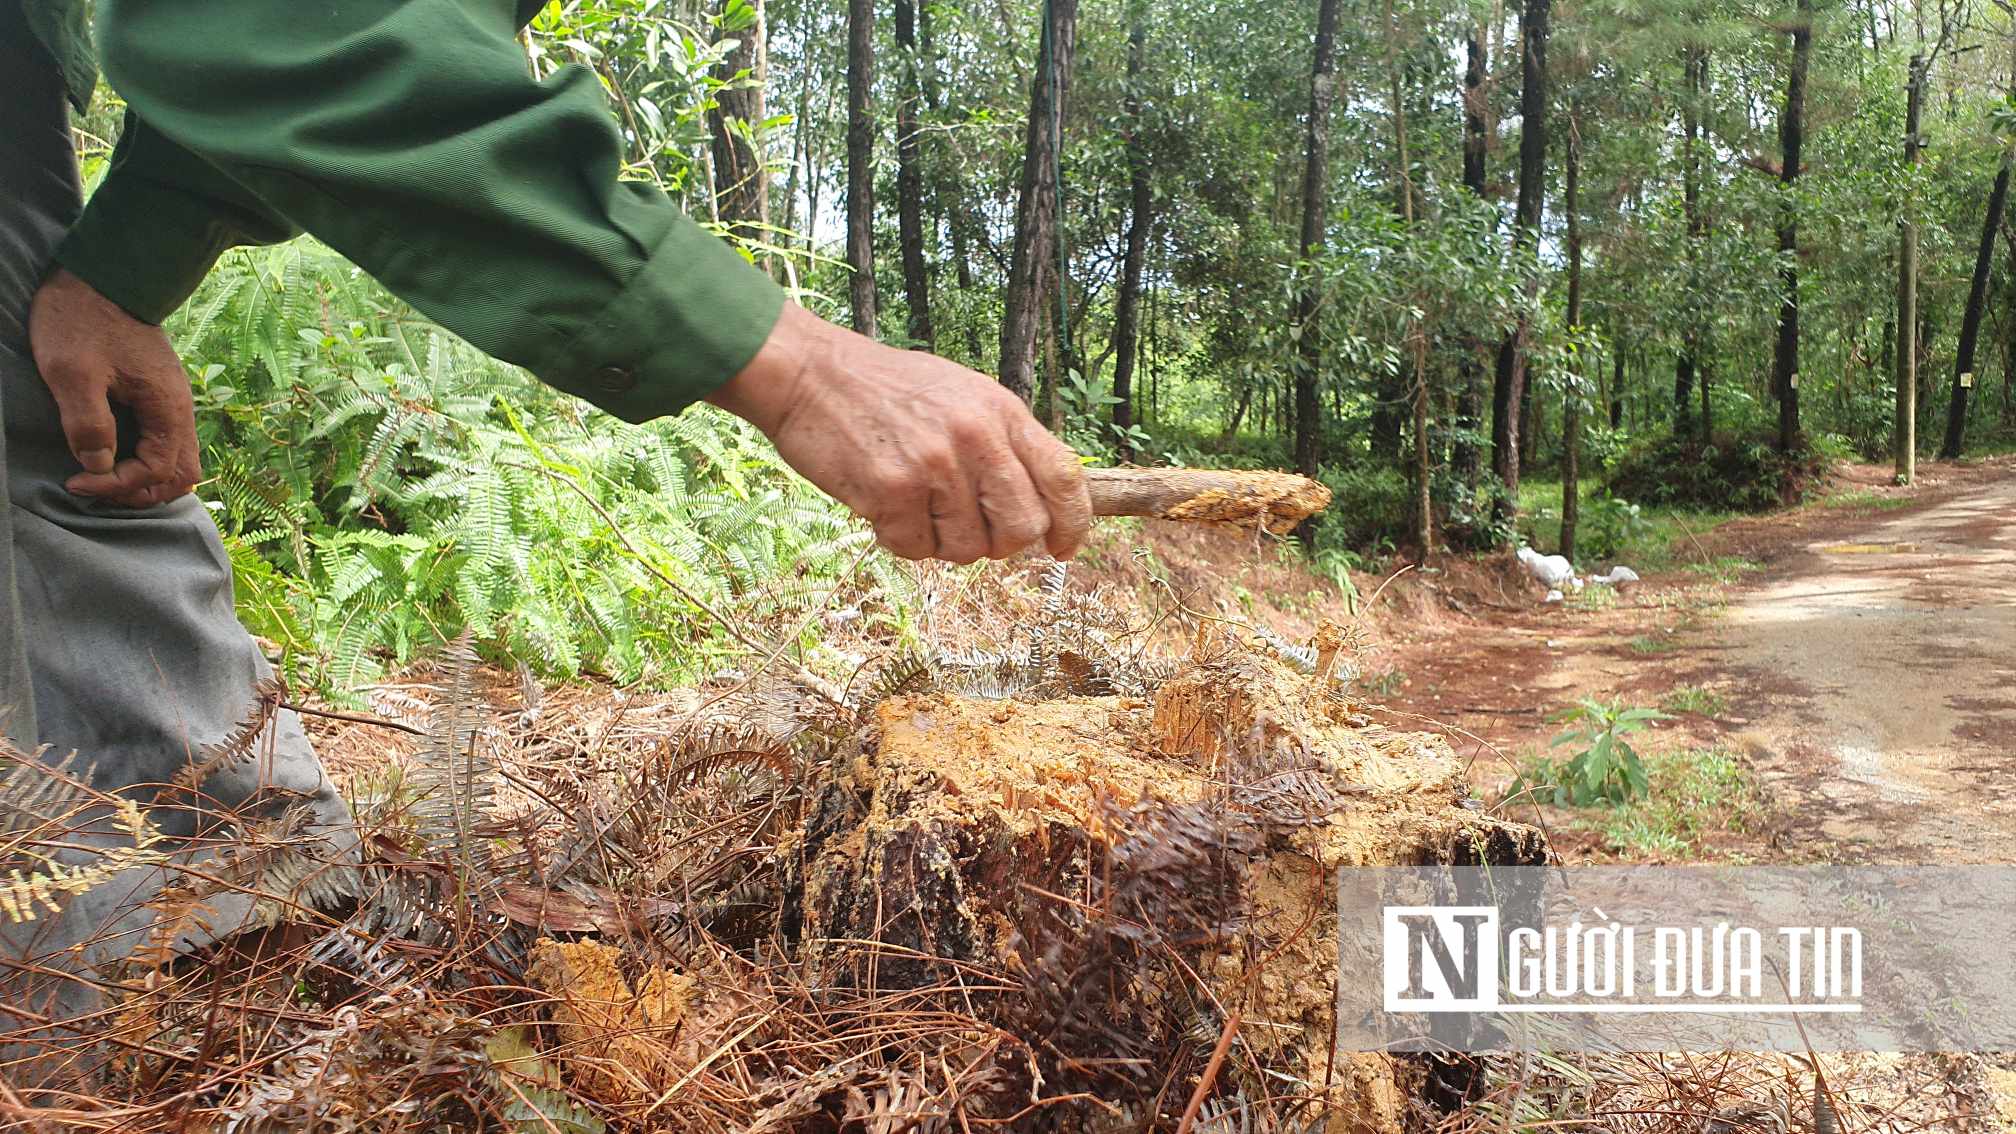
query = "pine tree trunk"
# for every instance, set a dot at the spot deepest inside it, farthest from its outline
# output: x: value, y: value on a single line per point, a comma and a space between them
x: 1127, y: 306
x: 1906, y: 433
x: 1970, y: 323
x: 1791, y: 139
x: 1315, y: 215
x: 1469, y: 399
x: 1684, y: 367
x: 1509, y: 388
x: 1616, y: 386
x: 1036, y: 210
x: 1571, y: 396
x: 910, y: 182
x: 742, y: 186
x: 861, y: 162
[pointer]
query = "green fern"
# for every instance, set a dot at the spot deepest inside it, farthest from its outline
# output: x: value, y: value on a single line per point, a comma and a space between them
x: 384, y: 488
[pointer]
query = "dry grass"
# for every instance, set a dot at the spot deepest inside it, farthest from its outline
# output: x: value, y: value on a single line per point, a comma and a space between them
x: 574, y: 912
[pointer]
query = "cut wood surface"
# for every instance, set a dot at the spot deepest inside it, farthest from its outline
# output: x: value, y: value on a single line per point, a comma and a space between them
x: 1276, y: 500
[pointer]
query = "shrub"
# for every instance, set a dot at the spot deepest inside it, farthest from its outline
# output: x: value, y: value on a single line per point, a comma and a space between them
x: 1747, y: 475
x: 1605, y: 770
x: 1369, y: 510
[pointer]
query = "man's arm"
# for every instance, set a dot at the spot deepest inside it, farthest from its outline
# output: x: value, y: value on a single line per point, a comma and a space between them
x: 158, y: 222
x: 408, y: 135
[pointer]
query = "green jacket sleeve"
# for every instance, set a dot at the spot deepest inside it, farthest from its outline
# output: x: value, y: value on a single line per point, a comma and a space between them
x: 157, y: 223
x: 408, y: 135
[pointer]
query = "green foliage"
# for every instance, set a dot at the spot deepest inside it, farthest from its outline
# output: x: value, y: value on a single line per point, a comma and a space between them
x: 1605, y: 769
x: 1745, y: 475
x: 382, y: 487
x: 1691, y: 795
x: 1369, y: 509
x: 1696, y: 699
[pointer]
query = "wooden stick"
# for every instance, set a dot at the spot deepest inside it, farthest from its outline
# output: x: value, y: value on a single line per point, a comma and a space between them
x: 1275, y: 500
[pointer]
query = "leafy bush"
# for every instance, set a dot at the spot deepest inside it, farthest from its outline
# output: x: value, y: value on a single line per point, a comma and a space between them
x: 1747, y: 475
x: 1694, y: 793
x: 1609, y: 525
x: 1369, y: 509
x: 1473, y: 519
x: 1606, y: 769
x: 382, y: 486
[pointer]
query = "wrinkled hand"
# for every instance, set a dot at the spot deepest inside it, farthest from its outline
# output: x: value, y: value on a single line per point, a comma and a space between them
x: 92, y: 355
x: 944, y: 462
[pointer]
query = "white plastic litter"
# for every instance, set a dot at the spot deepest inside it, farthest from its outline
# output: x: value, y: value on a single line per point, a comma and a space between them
x: 1551, y: 571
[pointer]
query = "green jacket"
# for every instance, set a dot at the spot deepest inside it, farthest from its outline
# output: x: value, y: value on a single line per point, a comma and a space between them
x: 409, y: 136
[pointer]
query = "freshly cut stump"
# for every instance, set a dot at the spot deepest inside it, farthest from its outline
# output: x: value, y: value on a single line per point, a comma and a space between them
x: 967, y: 825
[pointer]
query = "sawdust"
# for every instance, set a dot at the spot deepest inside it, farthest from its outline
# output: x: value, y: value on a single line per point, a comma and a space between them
x: 966, y: 815
x: 613, y: 1037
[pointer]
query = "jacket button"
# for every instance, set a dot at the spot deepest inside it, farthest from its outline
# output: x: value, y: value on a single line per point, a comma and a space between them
x: 613, y: 380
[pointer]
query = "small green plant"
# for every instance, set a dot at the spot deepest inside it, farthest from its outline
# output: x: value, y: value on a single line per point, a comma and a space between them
x: 1725, y: 569
x: 1696, y: 792
x: 1336, y: 565
x: 1605, y: 769
x: 1696, y: 699
x: 1865, y: 500
x: 1593, y: 598
x: 1383, y: 684
x: 1653, y: 644
x: 1609, y: 526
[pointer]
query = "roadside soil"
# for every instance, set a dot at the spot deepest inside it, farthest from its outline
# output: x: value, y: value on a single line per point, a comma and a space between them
x: 1864, y: 658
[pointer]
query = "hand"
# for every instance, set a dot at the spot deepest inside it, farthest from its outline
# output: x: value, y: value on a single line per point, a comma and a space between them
x: 944, y: 462
x: 91, y: 355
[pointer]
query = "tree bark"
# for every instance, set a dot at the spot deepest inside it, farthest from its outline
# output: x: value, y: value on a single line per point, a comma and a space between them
x: 1685, y: 366
x: 1036, y: 210
x: 1571, y: 393
x: 1791, y: 139
x: 741, y: 184
x: 1315, y: 215
x: 1509, y: 387
x: 910, y: 183
x: 861, y: 163
x: 1127, y: 306
x: 1617, y: 384
x: 1970, y: 322
x: 1906, y: 433
x: 1470, y: 397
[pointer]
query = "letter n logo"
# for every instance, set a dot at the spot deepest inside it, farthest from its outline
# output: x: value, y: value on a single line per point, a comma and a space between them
x: 1440, y: 958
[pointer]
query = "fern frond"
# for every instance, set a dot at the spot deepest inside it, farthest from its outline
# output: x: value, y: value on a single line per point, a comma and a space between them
x: 453, y: 778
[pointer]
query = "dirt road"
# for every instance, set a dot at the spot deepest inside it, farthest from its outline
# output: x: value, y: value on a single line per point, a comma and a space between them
x: 1883, y: 676
x: 1867, y: 670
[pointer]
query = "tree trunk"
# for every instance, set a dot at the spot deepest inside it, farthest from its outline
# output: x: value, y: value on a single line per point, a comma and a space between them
x: 1571, y: 393
x: 1906, y: 434
x: 1470, y: 397
x: 1684, y: 367
x: 1970, y: 323
x: 1616, y: 384
x: 910, y: 182
x: 741, y: 185
x: 1127, y: 306
x: 1791, y: 138
x: 1510, y: 381
x: 861, y: 162
x: 1036, y: 210
x: 1315, y: 214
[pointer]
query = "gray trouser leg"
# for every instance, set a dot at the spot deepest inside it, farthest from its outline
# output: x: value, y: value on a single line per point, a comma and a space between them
x: 117, y: 636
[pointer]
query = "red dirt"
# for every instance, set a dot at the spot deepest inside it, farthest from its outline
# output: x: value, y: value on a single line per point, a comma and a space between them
x: 1880, y: 728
